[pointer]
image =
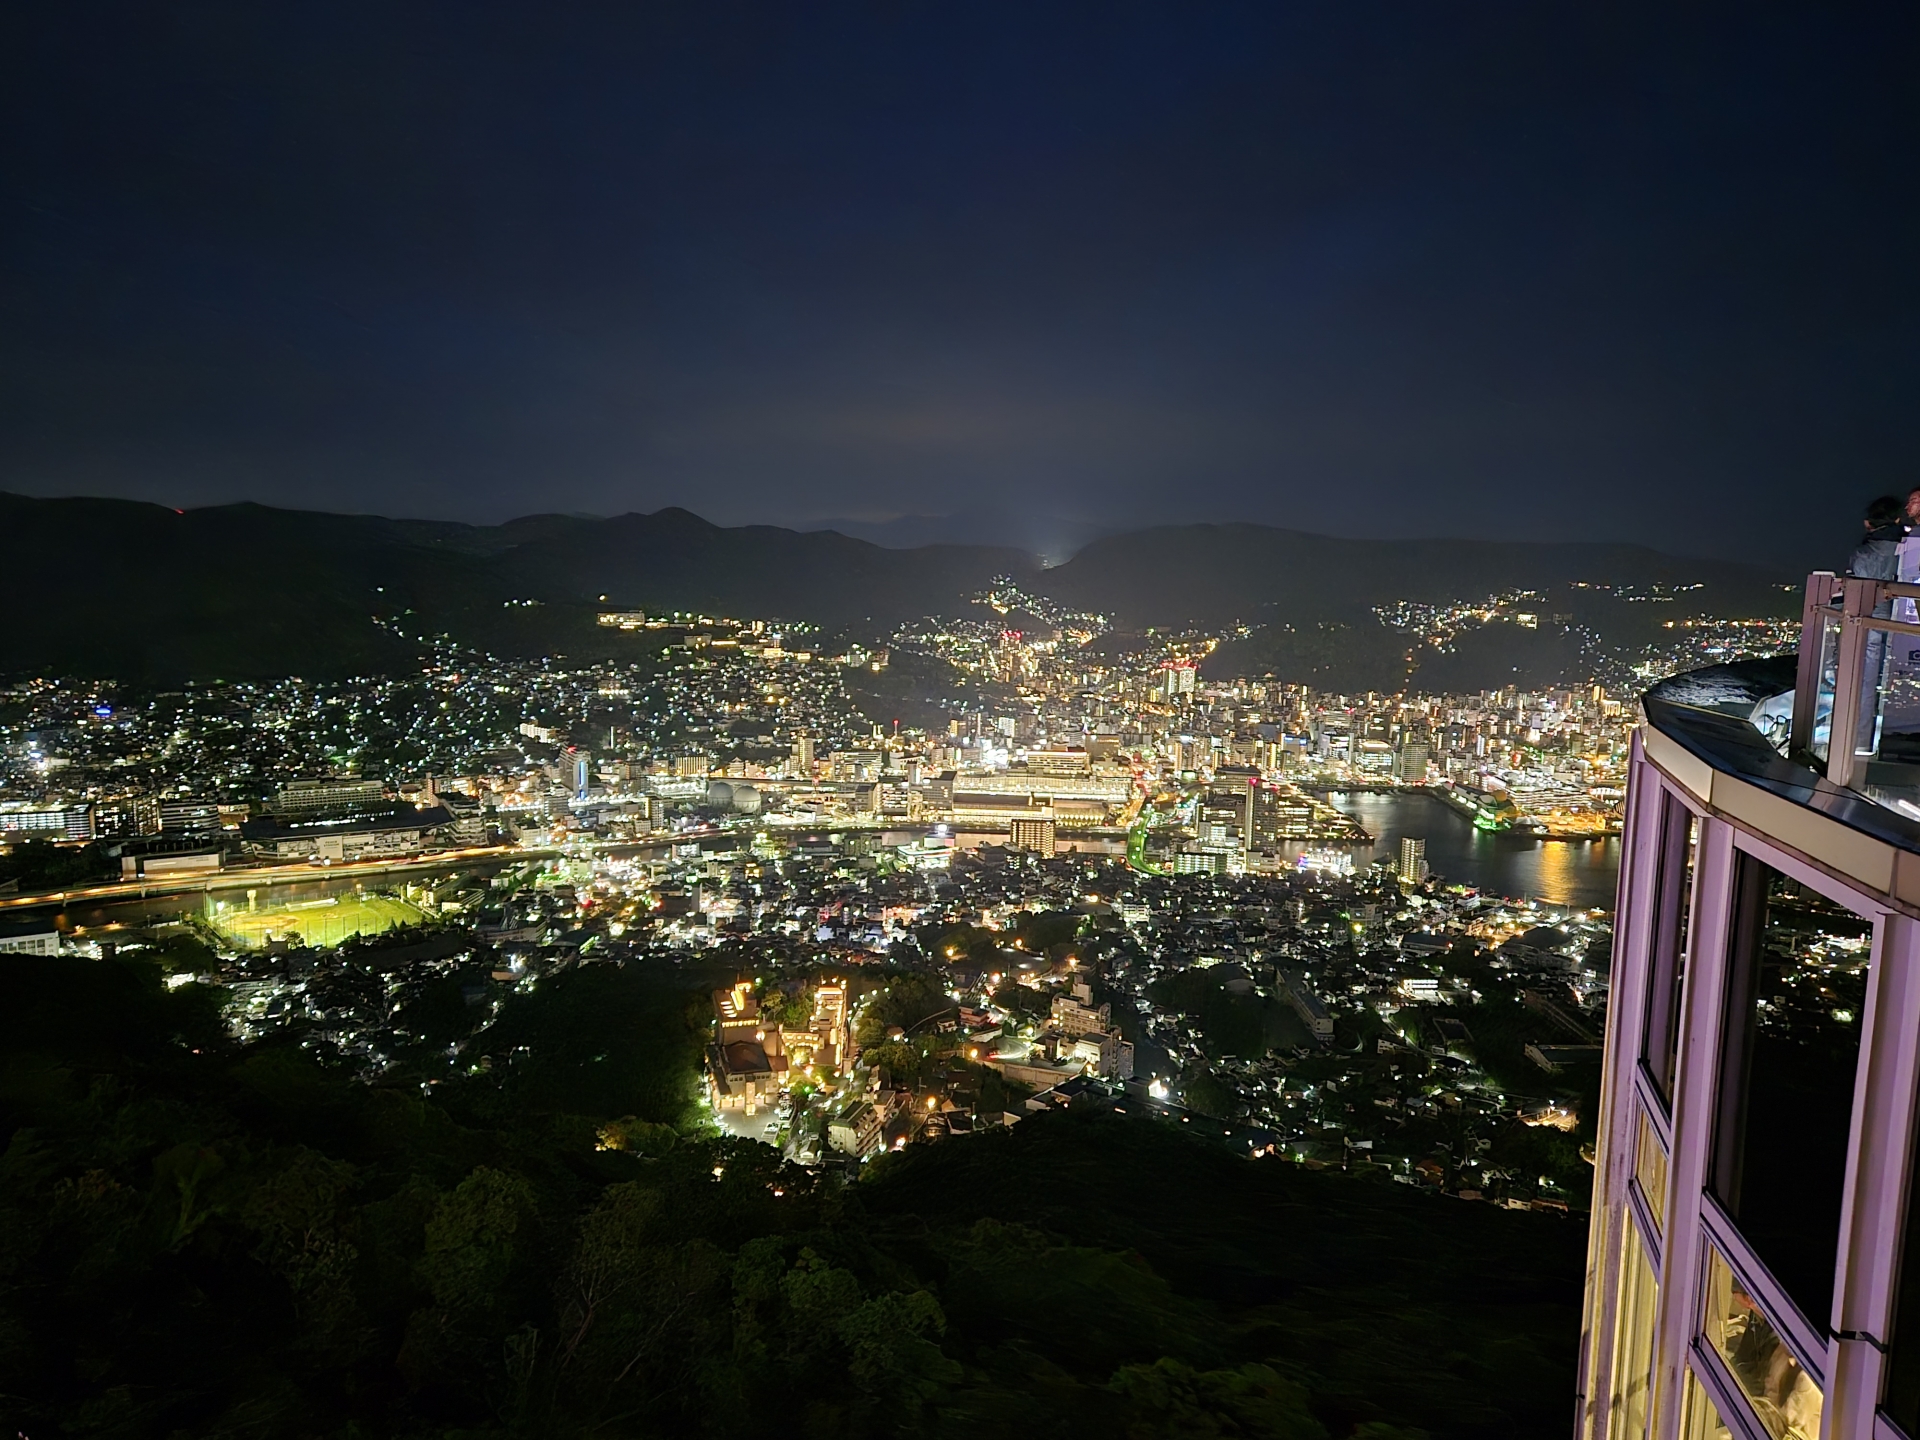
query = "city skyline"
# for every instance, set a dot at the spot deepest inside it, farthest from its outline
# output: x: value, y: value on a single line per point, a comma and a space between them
x: 898, y: 721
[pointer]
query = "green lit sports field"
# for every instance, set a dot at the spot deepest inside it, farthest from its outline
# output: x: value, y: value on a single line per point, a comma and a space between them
x: 321, y: 922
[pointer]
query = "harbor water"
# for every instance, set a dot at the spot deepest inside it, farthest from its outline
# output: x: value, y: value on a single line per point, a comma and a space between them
x: 1578, y: 874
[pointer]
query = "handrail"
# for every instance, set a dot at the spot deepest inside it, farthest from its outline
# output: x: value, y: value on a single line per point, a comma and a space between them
x: 1892, y: 627
x: 1806, y: 689
x: 1886, y: 589
x: 1840, y: 609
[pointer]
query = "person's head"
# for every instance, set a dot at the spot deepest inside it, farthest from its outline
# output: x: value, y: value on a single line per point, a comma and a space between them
x: 1913, y: 506
x: 1887, y: 510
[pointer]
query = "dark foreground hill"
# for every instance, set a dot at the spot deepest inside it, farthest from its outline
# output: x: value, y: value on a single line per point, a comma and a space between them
x: 199, y: 1239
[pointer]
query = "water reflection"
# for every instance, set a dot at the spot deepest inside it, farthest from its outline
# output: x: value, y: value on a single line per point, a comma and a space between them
x: 1579, y: 874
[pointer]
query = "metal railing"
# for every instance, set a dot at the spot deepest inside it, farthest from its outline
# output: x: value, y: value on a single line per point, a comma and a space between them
x: 1856, y: 699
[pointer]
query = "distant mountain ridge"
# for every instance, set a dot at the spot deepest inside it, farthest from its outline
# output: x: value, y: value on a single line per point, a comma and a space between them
x: 144, y: 592
x: 1054, y: 537
x: 138, y: 591
x: 1218, y: 574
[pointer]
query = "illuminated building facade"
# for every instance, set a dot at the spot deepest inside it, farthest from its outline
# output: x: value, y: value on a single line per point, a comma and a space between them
x: 25, y: 819
x: 747, y: 1062
x: 1754, y: 1260
x: 1034, y: 834
x: 994, y: 802
x: 311, y: 797
x: 825, y: 1047
x: 1413, y: 860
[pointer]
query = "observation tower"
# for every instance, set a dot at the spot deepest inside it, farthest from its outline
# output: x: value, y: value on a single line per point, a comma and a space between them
x: 1754, y: 1263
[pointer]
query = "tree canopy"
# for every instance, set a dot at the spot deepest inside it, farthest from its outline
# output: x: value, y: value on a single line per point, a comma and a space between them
x: 201, y: 1238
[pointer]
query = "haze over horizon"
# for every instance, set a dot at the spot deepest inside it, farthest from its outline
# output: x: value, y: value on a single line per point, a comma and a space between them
x: 1500, y: 271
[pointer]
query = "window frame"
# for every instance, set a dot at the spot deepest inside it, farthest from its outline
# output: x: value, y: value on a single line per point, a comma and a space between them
x: 1671, y: 920
x: 1710, y: 1373
x: 1808, y: 1342
x: 1730, y: 1092
x: 1659, y: 1208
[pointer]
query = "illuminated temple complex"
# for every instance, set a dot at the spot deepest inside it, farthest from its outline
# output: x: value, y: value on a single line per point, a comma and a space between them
x: 752, y: 1059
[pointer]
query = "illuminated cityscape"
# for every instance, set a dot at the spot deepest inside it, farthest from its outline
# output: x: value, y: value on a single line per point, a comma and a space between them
x: 908, y: 722
x: 1106, y: 866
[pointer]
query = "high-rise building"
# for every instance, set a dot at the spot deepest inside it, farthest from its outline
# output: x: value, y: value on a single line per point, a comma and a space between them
x: 1754, y: 1256
x: 187, y: 815
x: 1375, y: 757
x: 126, y: 815
x: 1410, y: 765
x: 1413, y: 860
x: 27, y: 819
x: 335, y: 792
x: 1332, y: 738
x: 1225, y: 813
x: 1064, y: 763
x: 1035, y: 834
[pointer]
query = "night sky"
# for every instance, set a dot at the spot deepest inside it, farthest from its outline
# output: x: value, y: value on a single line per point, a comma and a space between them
x: 1530, y: 270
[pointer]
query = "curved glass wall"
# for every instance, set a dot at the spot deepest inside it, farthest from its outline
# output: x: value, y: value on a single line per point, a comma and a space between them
x: 1796, y: 993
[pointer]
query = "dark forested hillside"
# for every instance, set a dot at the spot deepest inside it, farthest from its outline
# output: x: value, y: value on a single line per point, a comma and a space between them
x: 1217, y: 574
x: 674, y: 560
x: 202, y: 1239
x: 144, y: 593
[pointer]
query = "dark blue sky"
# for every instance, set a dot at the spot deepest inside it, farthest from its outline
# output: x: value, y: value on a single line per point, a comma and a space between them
x: 1529, y: 270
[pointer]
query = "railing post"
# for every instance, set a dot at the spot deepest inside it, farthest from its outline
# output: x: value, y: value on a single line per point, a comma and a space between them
x: 1814, y: 606
x: 1843, y: 737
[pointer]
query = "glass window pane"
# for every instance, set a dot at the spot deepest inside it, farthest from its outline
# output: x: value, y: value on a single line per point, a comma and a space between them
x: 1892, y: 775
x: 1823, y: 695
x: 1632, y: 1339
x: 1796, y: 992
x: 1699, y: 1416
x: 1785, y: 1399
x: 1650, y: 1169
x: 1672, y: 909
x: 1873, y: 685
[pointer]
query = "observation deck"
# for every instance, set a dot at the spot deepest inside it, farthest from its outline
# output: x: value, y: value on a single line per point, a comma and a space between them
x: 1754, y: 738
x: 1754, y: 1258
